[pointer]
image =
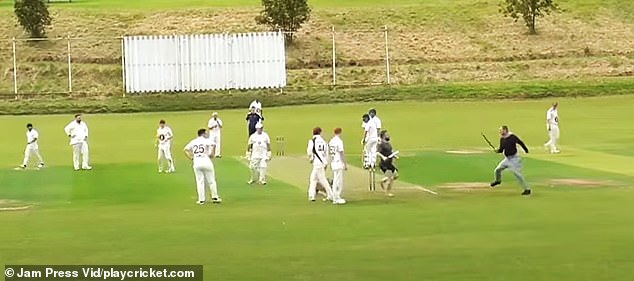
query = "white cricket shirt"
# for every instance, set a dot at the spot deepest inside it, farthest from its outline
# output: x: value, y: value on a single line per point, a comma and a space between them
x: 32, y: 136
x: 317, y: 150
x: 256, y: 105
x: 552, y: 117
x: 371, y: 131
x: 164, y: 135
x: 259, y: 145
x: 78, y: 132
x: 214, y: 125
x: 377, y: 122
x: 336, y: 148
x: 201, y: 148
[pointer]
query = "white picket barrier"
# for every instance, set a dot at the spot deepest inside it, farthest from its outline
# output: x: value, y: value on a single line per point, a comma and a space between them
x: 187, y: 63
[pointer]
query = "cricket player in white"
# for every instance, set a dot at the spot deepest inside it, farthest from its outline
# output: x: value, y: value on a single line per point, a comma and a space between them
x: 31, y: 147
x: 259, y: 153
x: 338, y: 165
x: 257, y: 105
x: 317, y: 151
x: 552, y: 124
x: 215, y: 130
x: 370, y: 141
x: 77, y: 131
x: 374, y: 118
x: 201, y: 150
x: 164, y: 137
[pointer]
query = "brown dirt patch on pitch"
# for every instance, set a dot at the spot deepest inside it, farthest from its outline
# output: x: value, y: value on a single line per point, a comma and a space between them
x: 582, y: 182
x: 465, y: 186
x: 13, y: 205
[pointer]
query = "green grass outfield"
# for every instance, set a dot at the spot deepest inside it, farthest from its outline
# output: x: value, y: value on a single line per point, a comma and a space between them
x: 123, y: 212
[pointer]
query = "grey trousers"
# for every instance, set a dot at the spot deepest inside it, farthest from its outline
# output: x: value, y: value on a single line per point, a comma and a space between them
x: 514, y: 164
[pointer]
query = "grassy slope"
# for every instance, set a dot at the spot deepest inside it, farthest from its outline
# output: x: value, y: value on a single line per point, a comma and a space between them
x: 122, y: 213
x: 432, y: 41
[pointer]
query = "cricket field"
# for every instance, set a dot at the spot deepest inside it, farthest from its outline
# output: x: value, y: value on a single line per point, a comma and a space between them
x: 578, y: 224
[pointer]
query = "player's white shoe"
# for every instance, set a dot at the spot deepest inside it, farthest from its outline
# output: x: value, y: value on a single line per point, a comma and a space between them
x: 339, y: 201
x: 41, y: 165
x: 86, y: 168
x: 160, y: 171
x: 251, y: 182
x: 200, y: 202
x: 262, y: 182
x: 216, y: 200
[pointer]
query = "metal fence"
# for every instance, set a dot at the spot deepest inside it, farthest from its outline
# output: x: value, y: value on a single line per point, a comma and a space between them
x: 84, y: 66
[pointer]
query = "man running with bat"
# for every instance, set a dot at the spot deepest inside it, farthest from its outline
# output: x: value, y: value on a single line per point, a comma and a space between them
x: 512, y: 160
x: 387, y: 156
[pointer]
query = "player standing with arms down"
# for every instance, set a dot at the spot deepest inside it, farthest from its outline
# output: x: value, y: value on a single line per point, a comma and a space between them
x: 374, y: 118
x: 512, y: 160
x: 387, y: 155
x: 200, y: 150
x: 370, y: 142
x: 32, y: 147
x: 215, y: 130
x: 164, y: 137
x: 338, y: 165
x: 317, y: 151
x: 259, y: 153
x: 552, y: 124
x: 77, y: 131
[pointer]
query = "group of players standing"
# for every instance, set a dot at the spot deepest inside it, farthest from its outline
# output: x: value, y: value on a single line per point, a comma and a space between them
x: 201, y: 150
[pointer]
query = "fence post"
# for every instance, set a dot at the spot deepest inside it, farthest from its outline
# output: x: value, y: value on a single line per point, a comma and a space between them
x: 334, y: 59
x: 70, y: 70
x: 123, y: 64
x: 15, y: 72
x: 387, y: 58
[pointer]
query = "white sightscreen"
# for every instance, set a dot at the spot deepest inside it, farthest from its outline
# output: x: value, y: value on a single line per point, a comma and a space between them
x: 204, y: 62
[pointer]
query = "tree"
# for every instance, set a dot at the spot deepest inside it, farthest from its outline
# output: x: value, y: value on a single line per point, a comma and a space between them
x: 287, y: 15
x: 33, y: 16
x: 528, y: 10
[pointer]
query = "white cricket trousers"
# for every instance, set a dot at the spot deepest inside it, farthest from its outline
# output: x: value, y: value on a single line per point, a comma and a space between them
x: 337, y: 183
x: 31, y: 149
x: 370, y: 150
x: 205, y: 176
x: 80, y: 155
x: 258, y: 169
x: 165, y: 153
x: 318, y: 176
x: 554, y: 138
x: 216, y: 138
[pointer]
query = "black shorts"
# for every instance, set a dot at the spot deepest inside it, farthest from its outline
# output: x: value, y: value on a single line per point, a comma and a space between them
x: 387, y: 166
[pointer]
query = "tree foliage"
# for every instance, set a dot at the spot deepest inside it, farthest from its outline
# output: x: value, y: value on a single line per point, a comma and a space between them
x: 285, y: 15
x: 528, y: 10
x: 33, y: 16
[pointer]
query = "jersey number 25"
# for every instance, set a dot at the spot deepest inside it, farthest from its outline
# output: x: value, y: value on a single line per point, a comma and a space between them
x: 198, y: 149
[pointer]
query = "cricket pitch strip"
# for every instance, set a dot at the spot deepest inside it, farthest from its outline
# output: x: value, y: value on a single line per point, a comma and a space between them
x: 296, y: 170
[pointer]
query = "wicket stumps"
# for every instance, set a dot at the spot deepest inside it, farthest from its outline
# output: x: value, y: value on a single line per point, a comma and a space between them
x: 280, y: 145
x: 372, y: 178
